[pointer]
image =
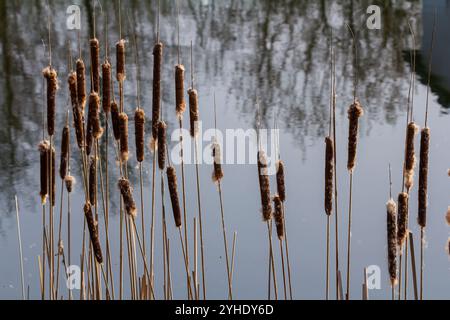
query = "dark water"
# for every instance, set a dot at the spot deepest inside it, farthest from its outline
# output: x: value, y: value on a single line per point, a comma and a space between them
x: 277, y: 52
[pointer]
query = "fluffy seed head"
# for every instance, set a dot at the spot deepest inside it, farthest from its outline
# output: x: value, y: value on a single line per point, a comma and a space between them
x: 123, y: 127
x: 193, y: 112
x: 402, y: 218
x: 44, y: 148
x: 355, y: 111
x: 279, y: 216
x: 70, y: 182
x: 281, y: 187
x: 391, y: 209
x: 217, y: 161
x: 127, y: 194
x: 410, y: 157
x: 179, y: 90
x: 120, y: 52
x: 81, y: 84
x: 264, y: 186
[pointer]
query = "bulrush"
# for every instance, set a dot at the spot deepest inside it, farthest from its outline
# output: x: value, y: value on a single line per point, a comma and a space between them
x: 180, y: 103
x: 173, y: 191
x: 156, y: 98
x: 329, y: 171
x: 139, y: 132
x: 52, y: 86
x: 115, y: 120
x: 410, y: 157
x: 95, y: 63
x: 354, y: 113
x: 44, y: 148
x: 93, y: 232
x: 81, y: 84
x: 120, y: 53
x: 264, y: 186
x: 123, y: 129
x: 193, y: 112
x: 162, y: 127
x: 392, y: 242
x: 127, y: 195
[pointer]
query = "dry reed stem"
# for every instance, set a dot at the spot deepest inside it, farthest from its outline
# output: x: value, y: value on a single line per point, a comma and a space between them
x: 93, y: 232
x: 264, y: 186
x: 329, y: 174
x: 354, y: 112
x: 180, y: 103
x: 162, y: 127
x: 44, y: 147
x: 64, y: 160
x: 123, y: 129
x: 402, y: 219
x: 52, y: 86
x: 410, y: 157
x: 217, y: 174
x: 115, y: 120
x: 193, y: 112
x: 95, y: 63
x: 281, y: 187
x: 127, y: 194
x: 391, y: 208
x: 156, y: 98
x: 81, y: 84
x: 279, y: 216
x: 423, y: 176
x: 93, y: 180
x: 106, y: 87
x: 173, y: 191
x: 120, y: 52
x: 139, y: 132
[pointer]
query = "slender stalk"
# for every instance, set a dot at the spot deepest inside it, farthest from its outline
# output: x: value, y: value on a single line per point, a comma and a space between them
x: 230, y: 288
x: 19, y: 238
x: 347, y: 294
x: 269, y: 232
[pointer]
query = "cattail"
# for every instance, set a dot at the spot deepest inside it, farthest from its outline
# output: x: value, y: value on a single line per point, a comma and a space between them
x: 139, y: 122
x: 264, y: 186
x: 162, y: 128
x: 448, y: 172
x: 93, y: 180
x: 402, y: 218
x: 70, y: 182
x: 52, y: 86
x: 123, y: 128
x: 179, y: 90
x: 77, y: 115
x: 127, y: 194
x: 120, y: 52
x: 115, y: 120
x: 173, y: 191
x: 281, y: 188
x: 44, y: 148
x: 72, y: 81
x: 447, y: 216
x: 279, y: 216
x: 391, y: 208
x: 88, y: 135
x: 217, y: 161
x: 81, y: 84
x: 423, y: 176
x: 95, y: 64
x: 106, y: 87
x: 53, y: 173
x: 157, y: 62
x: 329, y: 171
x: 93, y: 232
x: 94, y: 112
x: 193, y: 111
x: 447, y: 246
x: 64, y: 152
x: 354, y: 112
x: 410, y: 157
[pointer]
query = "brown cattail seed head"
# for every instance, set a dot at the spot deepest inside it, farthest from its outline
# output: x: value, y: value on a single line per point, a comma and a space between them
x: 93, y: 232
x: 123, y: 128
x: 354, y: 112
x: 173, y: 191
x: 53, y: 173
x: 93, y: 180
x: 139, y: 126
x: 217, y: 162
x: 120, y: 52
x: 156, y: 101
x: 76, y: 111
x: 179, y: 90
x: 81, y: 84
x: 162, y: 129
x: 423, y: 176
x: 281, y: 187
x: 94, y: 112
x: 402, y: 218
x: 193, y: 111
x: 95, y: 64
x: 410, y: 157
x: 447, y: 246
x: 391, y: 209
x: 72, y: 81
x: 64, y: 152
x: 264, y: 186
x: 279, y: 216
x: 329, y: 173
x: 70, y: 182
x: 52, y: 86
x: 447, y: 216
x: 115, y: 120
x: 44, y: 148
x: 127, y: 194
x: 106, y: 86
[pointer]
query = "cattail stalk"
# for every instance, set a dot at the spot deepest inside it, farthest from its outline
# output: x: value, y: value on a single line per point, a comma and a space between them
x: 391, y: 208
x: 52, y: 86
x: 123, y: 128
x: 279, y: 224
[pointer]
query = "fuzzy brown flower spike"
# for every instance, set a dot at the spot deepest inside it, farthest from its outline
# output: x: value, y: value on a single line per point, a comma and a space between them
x: 354, y: 113
x: 127, y: 195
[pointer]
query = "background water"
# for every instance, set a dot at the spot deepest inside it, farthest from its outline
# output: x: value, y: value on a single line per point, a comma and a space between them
x: 277, y: 51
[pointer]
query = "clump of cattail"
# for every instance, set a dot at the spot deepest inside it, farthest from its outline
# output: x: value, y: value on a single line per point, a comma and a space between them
x: 193, y: 111
x: 217, y: 174
x: 44, y: 148
x: 173, y: 191
x: 391, y: 209
x: 127, y: 194
x: 279, y: 216
x: 281, y: 187
x: 95, y: 63
x: 53, y: 173
x: 329, y: 171
x: 93, y: 232
x: 52, y: 86
x: 354, y: 112
x: 162, y: 128
x: 447, y: 216
x: 123, y: 129
x: 410, y: 157
x: 69, y: 182
x: 81, y: 84
x: 115, y: 120
x: 157, y: 62
x: 93, y: 180
x: 120, y: 52
x: 64, y: 152
x: 264, y: 186
x: 423, y: 176
x: 106, y: 86
x: 94, y: 115
x: 179, y: 90
x: 402, y: 218
x: 139, y: 122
